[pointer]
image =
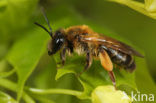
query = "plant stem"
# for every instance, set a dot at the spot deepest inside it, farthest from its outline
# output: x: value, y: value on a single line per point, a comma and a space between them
x: 55, y: 91
x: 13, y: 87
x: 42, y: 99
x: 6, y: 74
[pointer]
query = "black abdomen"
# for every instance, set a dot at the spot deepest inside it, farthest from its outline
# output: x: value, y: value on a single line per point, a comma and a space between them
x: 121, y: 59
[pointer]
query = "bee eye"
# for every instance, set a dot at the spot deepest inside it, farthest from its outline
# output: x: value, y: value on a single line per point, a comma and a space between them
x: 57, y: 42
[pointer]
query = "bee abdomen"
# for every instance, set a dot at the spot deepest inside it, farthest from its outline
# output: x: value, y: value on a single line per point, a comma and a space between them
x: 122, y: 59
x: 129, y: 63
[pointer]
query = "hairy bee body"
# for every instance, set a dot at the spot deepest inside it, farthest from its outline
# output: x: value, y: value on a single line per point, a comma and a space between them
x: 83, y: 40
x: 73, y: 35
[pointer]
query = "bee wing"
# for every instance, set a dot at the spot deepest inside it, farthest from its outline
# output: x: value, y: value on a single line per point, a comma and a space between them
x: 112, y: 43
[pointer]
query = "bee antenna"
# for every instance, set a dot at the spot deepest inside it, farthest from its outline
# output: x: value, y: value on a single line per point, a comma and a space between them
x: 43, y: 28
x: 45, y: 16
x: 49, y: 32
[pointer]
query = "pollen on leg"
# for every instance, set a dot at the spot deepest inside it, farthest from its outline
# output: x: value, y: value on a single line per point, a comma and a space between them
x: 105, y: 61
x: 108, y: 65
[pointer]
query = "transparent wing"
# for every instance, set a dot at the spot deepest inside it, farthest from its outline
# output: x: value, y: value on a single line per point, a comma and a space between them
x: 111, y: 43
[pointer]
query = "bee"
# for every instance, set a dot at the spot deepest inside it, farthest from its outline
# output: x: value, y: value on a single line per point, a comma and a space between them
x: 83, y: 40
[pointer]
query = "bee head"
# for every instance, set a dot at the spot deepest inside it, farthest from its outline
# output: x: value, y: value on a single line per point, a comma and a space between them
x: 57, y: 40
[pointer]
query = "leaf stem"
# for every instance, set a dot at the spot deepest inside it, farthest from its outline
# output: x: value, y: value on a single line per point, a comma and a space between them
x: 42, y: 99
x: 13, y: 87
x: 6, y: 74
x: 55, y: 91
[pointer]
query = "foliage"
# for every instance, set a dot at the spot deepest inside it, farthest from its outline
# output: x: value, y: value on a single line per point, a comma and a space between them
x: 28, y: 72
x: 148, y: 8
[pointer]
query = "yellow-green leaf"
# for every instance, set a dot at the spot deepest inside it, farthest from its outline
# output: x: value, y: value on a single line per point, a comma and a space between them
x: 25, y: 54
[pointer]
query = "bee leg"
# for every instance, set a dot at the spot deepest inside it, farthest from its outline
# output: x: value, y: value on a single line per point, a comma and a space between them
x: 112, y: 77
x: 62, y: 57
x: 88, y: 63
x: 107, y: 64
x: 117, y: 66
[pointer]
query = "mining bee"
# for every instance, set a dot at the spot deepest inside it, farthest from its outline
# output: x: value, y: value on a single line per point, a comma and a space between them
x: 83, y: 40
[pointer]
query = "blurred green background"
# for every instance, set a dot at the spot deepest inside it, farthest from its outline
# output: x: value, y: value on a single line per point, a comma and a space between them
x: 124, y: 21
x: 17, y: 18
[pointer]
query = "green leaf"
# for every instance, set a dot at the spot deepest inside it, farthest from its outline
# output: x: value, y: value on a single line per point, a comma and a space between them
x: 96, y: 73
x: 13, y: 87
x: 3, y: 4
x: 74, y: 64
x: 5, y: 98
x: 6, y: 74
x: 144, y: 81
x: 25, y: 54
x: 147, y: 9
x: 15, y: 16
x: 125, y: 81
